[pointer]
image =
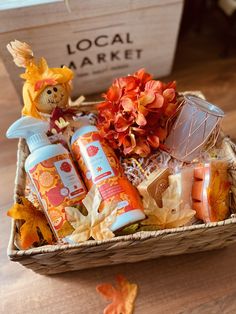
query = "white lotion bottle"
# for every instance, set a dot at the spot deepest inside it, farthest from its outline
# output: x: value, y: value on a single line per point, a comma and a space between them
x: 52, y: 172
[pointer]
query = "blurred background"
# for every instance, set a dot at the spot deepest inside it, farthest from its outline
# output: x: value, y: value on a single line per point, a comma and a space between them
x: 191, y: 41
x: 204, y: 59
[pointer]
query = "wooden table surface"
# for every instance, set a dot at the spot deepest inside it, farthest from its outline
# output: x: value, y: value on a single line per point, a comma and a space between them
x: 197, y: 283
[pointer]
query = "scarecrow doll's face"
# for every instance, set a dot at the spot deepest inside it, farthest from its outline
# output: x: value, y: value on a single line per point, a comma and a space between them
x: 52, y: 97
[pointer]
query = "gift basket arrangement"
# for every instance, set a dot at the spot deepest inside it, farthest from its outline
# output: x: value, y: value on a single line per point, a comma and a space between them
x: 146, y: 172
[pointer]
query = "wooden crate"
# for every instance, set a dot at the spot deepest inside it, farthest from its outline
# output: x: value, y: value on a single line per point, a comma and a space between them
x: 98, y: 40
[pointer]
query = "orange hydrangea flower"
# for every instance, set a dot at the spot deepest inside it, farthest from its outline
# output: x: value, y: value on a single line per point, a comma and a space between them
x: 133, y: 116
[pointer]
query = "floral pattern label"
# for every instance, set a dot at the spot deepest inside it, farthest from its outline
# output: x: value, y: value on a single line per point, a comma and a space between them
x: 58, y: 185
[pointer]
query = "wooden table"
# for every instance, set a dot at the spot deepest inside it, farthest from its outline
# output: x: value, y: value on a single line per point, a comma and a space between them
x: 197, y: 283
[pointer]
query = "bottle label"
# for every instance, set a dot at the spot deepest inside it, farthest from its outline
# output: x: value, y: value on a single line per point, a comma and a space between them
x: 69, y: 178
x: 100, y: 166
x: 96, y: 160
x: 58, y: 185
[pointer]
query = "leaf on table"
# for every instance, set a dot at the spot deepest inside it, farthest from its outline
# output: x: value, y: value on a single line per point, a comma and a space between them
x: 171, y: 215
x: 96, y: 225
x: 34, y: 219
x: 123, y: 296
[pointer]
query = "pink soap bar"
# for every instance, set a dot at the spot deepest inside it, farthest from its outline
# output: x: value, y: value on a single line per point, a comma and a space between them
x: 199, y: 172
x: 197, y: 190
x: 184, y: 181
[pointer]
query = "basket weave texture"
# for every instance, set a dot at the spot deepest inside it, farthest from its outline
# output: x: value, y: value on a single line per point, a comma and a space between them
x: 144, y: 245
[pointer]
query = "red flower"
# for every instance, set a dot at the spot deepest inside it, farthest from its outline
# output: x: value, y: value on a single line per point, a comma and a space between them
x: 65, y: 166
x: 133, y: 116
x: 92, y: 150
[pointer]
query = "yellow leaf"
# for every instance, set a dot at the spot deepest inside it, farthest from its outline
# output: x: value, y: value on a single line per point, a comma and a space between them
x: 122, y: 296
x: 171, y: 215
x: 218, y: 190
x: 96, y: 225
x: 34, y: 219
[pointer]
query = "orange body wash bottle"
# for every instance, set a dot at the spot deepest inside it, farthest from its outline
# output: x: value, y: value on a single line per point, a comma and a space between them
x: 99, y: 165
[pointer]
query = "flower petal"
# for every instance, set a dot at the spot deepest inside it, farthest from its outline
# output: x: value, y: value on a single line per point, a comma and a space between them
x: 103, y: 105
x: 161, y: 133
x: 142, y: 148
x: 171, y: 84
x: 129, y: 143
x: 157, y: 103
x: 171, y: 109
x: 169, y: 94
x: 121, y: 124
x: 113, y: 94
x: 153, y: 140
x: 128, y: 82
x: 146, y: 98
x: 154, y: 86
x: 105, y: 119
x: 143, y: 76
x: 140, y: 120
x: 127, y: 104
x: 139, y: 131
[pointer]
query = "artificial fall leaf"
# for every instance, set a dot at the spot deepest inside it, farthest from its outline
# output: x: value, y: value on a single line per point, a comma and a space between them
x: 34, y: 219
x: 96, y: 225
x: 218, y: 190
x: 122, y: 296
x: 171, y: 215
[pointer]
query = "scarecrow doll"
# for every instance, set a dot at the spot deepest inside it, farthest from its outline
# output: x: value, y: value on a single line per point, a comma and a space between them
x: 46, y: 91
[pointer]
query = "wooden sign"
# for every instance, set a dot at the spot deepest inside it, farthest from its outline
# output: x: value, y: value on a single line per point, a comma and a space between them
x: 99, y: 41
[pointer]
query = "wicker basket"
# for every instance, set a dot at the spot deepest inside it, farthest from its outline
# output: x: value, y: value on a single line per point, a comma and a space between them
x: 52, y: 259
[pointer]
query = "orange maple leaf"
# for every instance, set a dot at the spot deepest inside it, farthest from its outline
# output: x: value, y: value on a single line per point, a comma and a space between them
x: 218, y: 191
x: 122, y: 296
x: 34, y: 219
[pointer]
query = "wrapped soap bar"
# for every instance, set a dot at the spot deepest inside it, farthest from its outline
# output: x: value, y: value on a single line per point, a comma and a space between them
x: 210, y: 191
x: 155, y: 184
x: 184, y: 181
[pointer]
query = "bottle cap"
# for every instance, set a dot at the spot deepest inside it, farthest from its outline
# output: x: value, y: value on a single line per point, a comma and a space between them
x: 32, y: 129
x: 83, y: 130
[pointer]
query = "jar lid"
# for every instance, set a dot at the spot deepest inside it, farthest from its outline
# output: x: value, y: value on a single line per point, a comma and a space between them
x: 83, y: 130
x: 205, y: 105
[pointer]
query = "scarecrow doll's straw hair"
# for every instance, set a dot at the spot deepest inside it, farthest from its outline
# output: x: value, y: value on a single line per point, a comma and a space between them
x: 37, y: 76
